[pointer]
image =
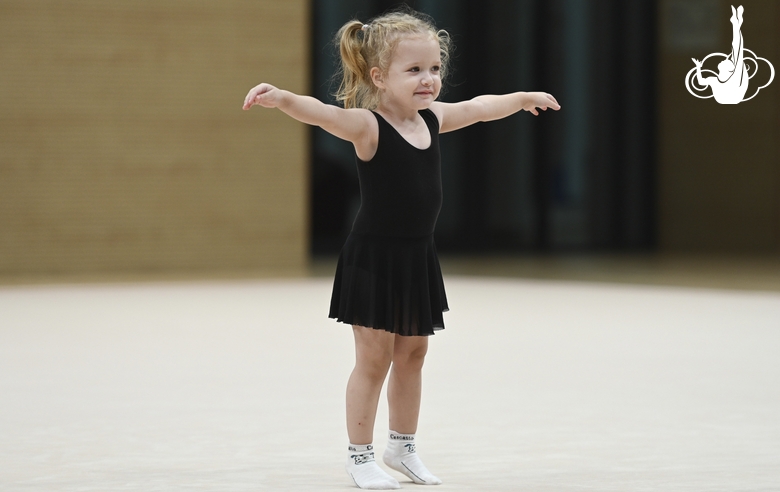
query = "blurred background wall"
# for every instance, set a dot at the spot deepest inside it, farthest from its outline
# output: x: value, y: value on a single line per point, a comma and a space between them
x: 123, y: 146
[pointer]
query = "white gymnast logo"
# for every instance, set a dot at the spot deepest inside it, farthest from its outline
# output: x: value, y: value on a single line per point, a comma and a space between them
x: 730, y: 85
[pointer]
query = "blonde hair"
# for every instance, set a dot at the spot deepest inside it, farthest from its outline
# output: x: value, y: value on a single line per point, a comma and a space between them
x: 363, y: 47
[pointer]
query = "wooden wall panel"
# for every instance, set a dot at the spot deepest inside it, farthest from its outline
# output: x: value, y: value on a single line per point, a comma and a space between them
x: 123, y: 146
x: 719, y: 165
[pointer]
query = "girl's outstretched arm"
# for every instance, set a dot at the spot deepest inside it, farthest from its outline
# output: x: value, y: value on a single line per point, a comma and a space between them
x: 353, y: 125
x: 453, y: 116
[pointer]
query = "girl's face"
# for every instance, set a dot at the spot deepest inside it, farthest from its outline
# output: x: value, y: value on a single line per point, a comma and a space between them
x: 413, y: 78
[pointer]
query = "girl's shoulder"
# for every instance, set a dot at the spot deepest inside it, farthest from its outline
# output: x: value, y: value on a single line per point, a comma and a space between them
x: 360, y: 121
x: 438, y: 111
x: 368, y: 142
x: 368, y: 118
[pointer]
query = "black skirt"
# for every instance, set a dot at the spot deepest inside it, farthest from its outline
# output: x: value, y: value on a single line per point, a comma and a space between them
x: 389, y: 283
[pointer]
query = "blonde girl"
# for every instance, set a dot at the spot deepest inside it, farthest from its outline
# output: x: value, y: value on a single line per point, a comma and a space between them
x: 388, y: 284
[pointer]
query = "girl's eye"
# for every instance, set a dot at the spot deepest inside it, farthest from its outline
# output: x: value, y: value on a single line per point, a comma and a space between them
x: 436, y: 68
x: 414, y: 69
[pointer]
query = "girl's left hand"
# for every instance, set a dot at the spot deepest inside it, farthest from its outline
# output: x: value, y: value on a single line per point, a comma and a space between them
x: 540, y: 100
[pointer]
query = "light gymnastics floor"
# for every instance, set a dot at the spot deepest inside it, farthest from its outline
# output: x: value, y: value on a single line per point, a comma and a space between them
x: 534, y: 386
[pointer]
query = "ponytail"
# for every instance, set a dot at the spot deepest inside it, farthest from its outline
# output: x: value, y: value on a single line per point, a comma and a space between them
x: 356, y: 79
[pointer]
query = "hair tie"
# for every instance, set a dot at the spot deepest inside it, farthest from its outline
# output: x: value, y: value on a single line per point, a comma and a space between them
x: 365, y: 27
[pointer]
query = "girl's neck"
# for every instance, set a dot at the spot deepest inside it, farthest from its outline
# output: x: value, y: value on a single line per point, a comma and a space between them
x: 394, y: 112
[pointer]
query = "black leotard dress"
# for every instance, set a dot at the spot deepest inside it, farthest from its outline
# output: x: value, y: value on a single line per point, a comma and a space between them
x: 388, y: 274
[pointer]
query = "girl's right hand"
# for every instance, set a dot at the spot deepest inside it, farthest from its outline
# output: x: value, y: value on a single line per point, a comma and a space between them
x: 264, y: 95
x: 540, y: 100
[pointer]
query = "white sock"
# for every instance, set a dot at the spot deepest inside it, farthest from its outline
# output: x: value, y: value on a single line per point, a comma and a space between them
x: 364, y: 470
x: 401, y: 456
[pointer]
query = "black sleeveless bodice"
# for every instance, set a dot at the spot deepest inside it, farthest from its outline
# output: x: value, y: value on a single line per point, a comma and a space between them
x: 400, y: 188
x: 388, y: 275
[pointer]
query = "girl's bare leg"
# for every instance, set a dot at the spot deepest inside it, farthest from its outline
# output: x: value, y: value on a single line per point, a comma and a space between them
x: 403, y: 393
x: 404, y: 389
x: 373, y: 355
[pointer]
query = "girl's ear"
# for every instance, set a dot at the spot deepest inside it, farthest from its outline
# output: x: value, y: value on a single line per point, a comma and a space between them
x: 376, y: 77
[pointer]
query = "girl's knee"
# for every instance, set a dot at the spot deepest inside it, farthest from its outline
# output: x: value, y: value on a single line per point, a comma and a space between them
x: 374, y: 366
x: 410, y: 360
x: 373, y: 355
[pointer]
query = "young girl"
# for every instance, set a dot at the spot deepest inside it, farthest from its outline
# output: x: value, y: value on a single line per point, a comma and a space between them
x: 388, y: 284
